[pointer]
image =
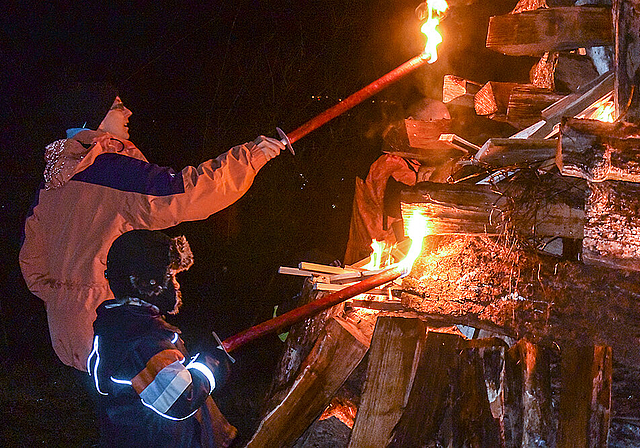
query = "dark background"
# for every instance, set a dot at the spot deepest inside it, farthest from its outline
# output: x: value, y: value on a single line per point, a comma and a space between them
x: 201, y: 77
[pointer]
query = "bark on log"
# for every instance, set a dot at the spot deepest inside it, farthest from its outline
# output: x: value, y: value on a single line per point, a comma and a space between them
x: 395, y: 349
x: 599, y: 151
x: 585, y: 397
x: 626, y: 23
x: 612, y: 225
x: 527, y: 294
x: 533, y: 33
x: 335, y: 355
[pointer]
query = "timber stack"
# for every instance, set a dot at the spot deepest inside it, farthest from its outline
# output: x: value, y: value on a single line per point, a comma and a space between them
x: 525, y: 300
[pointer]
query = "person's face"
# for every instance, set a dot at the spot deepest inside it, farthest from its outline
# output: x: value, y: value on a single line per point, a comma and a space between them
x: 116, y: 121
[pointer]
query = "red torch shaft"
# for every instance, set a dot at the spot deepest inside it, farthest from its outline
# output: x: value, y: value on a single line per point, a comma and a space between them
x: 310, y: 309
x: 358, y: 97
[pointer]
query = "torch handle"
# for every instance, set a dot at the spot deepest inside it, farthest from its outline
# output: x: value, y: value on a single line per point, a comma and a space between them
x: 358, y: 97
x: 312, y: 308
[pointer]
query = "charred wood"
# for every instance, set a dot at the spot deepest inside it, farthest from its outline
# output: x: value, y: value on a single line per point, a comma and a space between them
x: 599, y: 151
x: 626, y: 20
x: 526, y: 104
x: 507, y: 152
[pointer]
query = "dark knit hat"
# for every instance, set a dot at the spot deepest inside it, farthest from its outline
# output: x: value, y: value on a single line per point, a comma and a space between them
x: 84, y: 105
x: 148, y: 255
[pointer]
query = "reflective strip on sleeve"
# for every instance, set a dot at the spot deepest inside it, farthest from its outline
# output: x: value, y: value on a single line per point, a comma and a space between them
x: 167, y: 387
x: 158, y: 362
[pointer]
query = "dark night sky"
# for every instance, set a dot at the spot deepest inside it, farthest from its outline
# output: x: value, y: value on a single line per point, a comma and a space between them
x: 203, y: 76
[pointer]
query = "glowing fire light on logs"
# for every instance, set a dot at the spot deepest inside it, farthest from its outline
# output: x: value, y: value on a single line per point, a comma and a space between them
x: 418, y: 229
x: 436, y: 10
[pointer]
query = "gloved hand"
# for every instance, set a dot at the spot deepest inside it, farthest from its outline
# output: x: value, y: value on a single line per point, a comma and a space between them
x: 270, y: 147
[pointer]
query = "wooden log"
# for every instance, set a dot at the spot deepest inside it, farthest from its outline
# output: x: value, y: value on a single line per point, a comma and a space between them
x: 473, y: 423
x: 585, y: 397
x: 504, y: 152
x: 532, y: 33
x: 493, y: 97
x: 463, y: 209
x: 526, y: 104
x: 612, y: 225
x: 599, y: 151
x: 425, y: 134
x: 459, y: 91
x: 426, y: 402
x: 543, y: 73
x: 626, y: 22
x: 337, y: 352
x: 538, y: 428
x: 395, y: 348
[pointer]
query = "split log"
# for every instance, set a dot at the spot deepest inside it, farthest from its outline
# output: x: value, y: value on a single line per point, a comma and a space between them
x: 612, y: 225
x: 626, y: 22
x: 426, y: 403
x: 599, y: 151
x: 585, y: 397
x: 395, y: 348
x: 493, y: 97
x: 505, y: 152
x: 532, y: 33
x: 543, y: 73
x: 337, y: 352
x: 459, y: 91
x: 463, y: 209
x: 526, y: 294
x: 425, y: 134
x: 526, y: 104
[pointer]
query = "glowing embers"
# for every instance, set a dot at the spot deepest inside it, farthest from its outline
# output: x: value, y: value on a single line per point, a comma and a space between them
x: 434, y: 12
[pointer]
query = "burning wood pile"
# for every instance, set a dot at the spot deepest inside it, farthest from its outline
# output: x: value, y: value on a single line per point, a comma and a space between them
x: 525, y: 293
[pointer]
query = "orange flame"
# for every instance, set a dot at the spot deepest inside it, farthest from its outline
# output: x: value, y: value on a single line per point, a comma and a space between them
x: 418, y: 227
x: 436, y: 9
x: 604, y: 110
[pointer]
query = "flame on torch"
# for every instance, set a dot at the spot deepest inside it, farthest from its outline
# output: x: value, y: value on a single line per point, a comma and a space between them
x: 435, y: 11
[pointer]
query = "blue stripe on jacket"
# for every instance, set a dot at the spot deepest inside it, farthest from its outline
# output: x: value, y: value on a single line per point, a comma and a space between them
x: 128, y: 174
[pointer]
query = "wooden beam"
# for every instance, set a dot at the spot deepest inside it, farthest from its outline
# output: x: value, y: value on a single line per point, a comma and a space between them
x: 612, y: 225
x: 504, y: 152
x: 599, y: 151
x: 585, y: 396
x: 338, y: 351
x: 395, y: 348
x: 626, y: 22
x: 425, y: 134
x: 532, y: 33
x: 426, y: 402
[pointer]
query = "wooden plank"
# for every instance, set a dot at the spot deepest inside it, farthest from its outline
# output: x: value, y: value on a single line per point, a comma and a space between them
x: 503, y: 152
x: 376, y: 305
x: 493, y: 97
x: 599, y: 151
x: 612, y: 225
x: 585, y: 397
x: 322, y: 268
x: 626, y: 22
x: 532, y: 33
x: 425, y: 134
x: 337, y: 352
x: 459, y: 143
x: 395, y: 348
x: 426, y: 403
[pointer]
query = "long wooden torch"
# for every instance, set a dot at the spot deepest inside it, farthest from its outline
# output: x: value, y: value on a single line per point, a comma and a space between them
x: 312, y: 308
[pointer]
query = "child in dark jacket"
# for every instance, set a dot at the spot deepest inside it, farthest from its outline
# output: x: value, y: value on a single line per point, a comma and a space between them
x: 151, y: 392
